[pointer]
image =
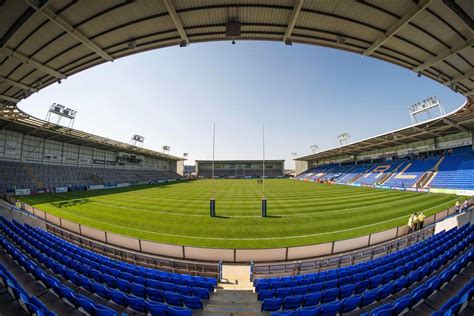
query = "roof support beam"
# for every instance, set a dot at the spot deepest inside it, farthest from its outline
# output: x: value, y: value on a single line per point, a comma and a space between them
x: 453, y: 124
x: 449, y: 52
x: 9, y: 99
x: 467, y: 75
x: 25, y: 60
x: 59, y: 21
x: 17, y: 84
x: 294, y: 17
x: 397, y: 26
x: 177, y: 23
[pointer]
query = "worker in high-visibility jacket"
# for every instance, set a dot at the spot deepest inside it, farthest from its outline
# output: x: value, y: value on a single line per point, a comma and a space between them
x: 411, y: 223
x: 18, y: 204
x: 457, y: 206
x: 421, y: 220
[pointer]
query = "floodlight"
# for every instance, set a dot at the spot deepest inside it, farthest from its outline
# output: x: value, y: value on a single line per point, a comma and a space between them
x: 288, y: 42
x: 183, y: 44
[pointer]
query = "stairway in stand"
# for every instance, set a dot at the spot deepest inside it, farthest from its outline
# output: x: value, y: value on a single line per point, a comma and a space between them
x: 234, y: 295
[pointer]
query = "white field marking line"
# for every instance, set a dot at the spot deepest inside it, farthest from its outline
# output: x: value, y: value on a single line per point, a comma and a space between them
x: 244, y: 216
x: 262, y: 238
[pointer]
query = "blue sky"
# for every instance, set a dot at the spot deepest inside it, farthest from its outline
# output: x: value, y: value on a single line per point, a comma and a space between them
x: 305, y: 95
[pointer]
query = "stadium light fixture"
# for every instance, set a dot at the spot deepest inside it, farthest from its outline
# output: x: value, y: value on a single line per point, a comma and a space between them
x: 426, y: 106
x: 344, y: 139
x: 60, y: 111
x: 183, y: 44
x: 288, y: 42
x: 137, y: 139
x: 314, y: 148
x: 166, y: 148
x: 294, y: 154
x: 185, y: 155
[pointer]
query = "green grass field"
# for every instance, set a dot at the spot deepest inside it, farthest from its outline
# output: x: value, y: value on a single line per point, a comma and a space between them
x: 300, y: 213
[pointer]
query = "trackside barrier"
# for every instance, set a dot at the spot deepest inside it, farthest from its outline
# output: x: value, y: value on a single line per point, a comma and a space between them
x: 211, y: 256
x: 274, y: 269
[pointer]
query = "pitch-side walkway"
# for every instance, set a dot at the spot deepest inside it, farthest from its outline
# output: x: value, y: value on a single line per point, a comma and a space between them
x: 234, y: 295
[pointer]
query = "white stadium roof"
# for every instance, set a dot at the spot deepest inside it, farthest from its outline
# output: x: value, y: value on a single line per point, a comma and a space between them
x: 42, y: 42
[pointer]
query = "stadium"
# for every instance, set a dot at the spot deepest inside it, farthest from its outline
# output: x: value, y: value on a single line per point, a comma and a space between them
x: 95, y: 226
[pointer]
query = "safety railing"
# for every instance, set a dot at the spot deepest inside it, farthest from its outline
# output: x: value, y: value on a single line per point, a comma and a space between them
x: 274, y: 269
x: 227, y: 255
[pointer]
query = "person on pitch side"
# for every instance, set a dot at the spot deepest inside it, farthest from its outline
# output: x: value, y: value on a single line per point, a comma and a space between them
x: 457, y: 206
x: 415, y: 221
x: 421, y: 220
x: 465, y: 205
x: 411, y: 222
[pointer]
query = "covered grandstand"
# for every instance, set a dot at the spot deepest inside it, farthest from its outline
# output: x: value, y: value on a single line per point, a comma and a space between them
x: 240, y: 169
x: 435, y: 155
x: 38, y: 156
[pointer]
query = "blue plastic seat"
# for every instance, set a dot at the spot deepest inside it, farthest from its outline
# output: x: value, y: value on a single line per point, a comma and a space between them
x: 123, y: 285
x: 174, y: 299
x: 369, y: 297
x: 118, y: 297
x: 157, y: 309
x: 109, y: 280
x: 292, y: 302
x: 176, y: 311
x: 138, y: 290
x: 331, y: 284
x: 101, y: 310
x: 137, y: 303
x: 329, y: 295
x: 350, y: 303
x: 264, y: 294
x: 283, y: 292
x: 375, y: 281
x: 101, y: 290
x: 272, y: 304
x: 153, y: 283
x: 316, y: 287
x: 385, y: 291
x: 168, y: 287
x: 331, y: 309
x: 346, y: 290
x: 309, y: 311
x: 401, y: 303
x: 192, y: 302
x: 300, y: 290
x: 83, y: 302
x: 361, y: 286
x: 312, y: 299
x: 154, y: 294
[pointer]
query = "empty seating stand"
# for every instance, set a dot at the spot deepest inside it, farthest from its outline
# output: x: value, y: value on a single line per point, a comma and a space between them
x: 454, y: 171
x: 35, y: 176
x: 388, y: 285
x: 99, y: 285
